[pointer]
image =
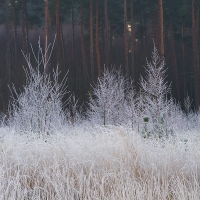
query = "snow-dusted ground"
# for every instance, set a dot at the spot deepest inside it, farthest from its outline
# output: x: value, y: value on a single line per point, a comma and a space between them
x: 96, y: 162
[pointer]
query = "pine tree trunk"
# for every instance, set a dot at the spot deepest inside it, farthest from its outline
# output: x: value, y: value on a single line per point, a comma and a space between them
x: 174, y: 61
x: 46, y: 36
x: 8, y: 71
x: 17, y: 74
x: 15, y: 32
x: 195, y: 57
x: 91, y: 42
x: 58, y: 38
x: 85, y: 73
x: 63, y: 50
x: 145, y: 30
x: 126, y: 38
x: 73, y: 70
x: 106, y: 36
x: 24, y: 35
x: 161, y: 29
x: 132, y: 44
x: 153, y: 27
x: 142, y: 57
x: 184, y: 59
x: 26, y: 28
x: 97, y: 40
x: 197, y: 23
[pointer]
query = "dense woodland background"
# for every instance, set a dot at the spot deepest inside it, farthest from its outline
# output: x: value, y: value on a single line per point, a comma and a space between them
x: 93, y: 34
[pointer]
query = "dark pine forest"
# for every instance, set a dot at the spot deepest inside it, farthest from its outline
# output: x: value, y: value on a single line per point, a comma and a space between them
x: 95, y: 34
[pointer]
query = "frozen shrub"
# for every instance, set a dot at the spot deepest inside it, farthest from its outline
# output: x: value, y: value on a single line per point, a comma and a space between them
x: 38, y: 108
x: 134, y: 109
x: 74, y: 111
x: 155, y: 93
x: 187, y: 105
x: 131, y: 108
x: 106, y: 103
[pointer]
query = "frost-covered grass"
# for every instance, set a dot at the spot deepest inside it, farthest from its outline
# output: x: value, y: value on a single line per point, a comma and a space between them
x: 98, y: 162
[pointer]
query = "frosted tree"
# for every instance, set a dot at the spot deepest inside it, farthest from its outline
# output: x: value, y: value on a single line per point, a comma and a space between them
x: 106, y: 102
x: 187, y: 105
x: 74, y: 111
x: 155, y: 91
x: 131, y: 108
x: 135, y: 110
x: 38, y: 108
x: 192, y: 118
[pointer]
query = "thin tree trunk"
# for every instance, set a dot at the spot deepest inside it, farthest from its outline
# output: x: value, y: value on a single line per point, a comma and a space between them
x: 91, y: 42
x: 195, y: 57
x: 102, y: 30
x: 109, y: 39
x: 132, y: 44
x: 161, y: 29
x: 97, y: 40
x: 184, y: 59
x: 24, y: 36
x: 142, y: 57
x: 15, y: 32
x: 46, y: 36
x: 63, y: 50
x: 145, y: 30
x: 197, y: 22
x: 153, y: 27
x: 174, y: 60
x: 73, y: 70
x: 58, y: 39
x: 73, y: 57
x: 85, y: 73
x: 8, y: 71
x: 126, y: 38
x: 16, y: 70
x: 106, y: 35
x: 26, y: 27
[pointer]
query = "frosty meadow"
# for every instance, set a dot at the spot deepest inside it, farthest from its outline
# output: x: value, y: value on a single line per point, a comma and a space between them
x: 127, y: 145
